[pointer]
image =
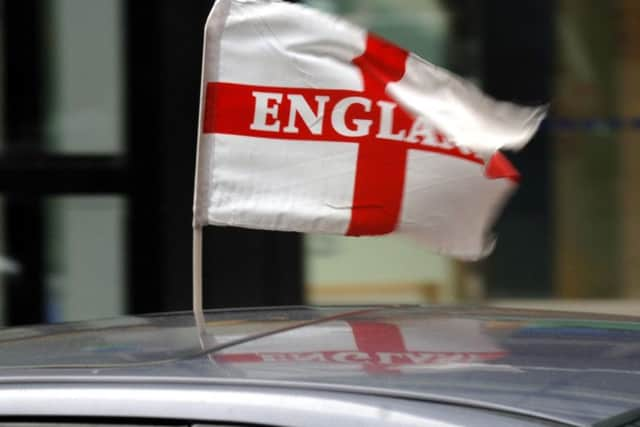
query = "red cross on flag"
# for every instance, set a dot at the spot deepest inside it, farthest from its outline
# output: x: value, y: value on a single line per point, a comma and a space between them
x: 310, y: 124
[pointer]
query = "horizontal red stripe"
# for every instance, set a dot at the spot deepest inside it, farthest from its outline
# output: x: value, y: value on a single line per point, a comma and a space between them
x: 230, y: 110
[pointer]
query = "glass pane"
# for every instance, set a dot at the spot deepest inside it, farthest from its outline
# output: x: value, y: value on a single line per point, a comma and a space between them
x: 85, y: 257
x: 85, y: 76
x: 341, y: 270
x: 570, y: 237
x: 421, y: 26
x: 383, y: 270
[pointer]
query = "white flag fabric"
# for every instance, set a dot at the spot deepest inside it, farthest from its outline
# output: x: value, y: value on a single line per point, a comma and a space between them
x: 311, y: 124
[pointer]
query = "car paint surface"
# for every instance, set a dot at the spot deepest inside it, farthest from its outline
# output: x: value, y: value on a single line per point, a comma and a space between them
x: 571, y: 368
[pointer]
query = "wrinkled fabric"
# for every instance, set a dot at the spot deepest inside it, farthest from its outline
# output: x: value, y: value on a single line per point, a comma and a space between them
x: 311, y: 124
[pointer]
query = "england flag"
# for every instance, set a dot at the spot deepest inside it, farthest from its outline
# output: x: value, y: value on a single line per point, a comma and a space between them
x: 311, y: 124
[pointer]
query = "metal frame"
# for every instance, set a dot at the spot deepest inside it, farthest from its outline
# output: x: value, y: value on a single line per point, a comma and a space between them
x: 45, y: 174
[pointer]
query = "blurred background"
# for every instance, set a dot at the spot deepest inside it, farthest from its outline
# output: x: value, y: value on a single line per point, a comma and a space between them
x: 98, y: 122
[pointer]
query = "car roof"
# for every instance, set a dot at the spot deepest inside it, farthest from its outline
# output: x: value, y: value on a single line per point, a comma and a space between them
x: 575, y: 368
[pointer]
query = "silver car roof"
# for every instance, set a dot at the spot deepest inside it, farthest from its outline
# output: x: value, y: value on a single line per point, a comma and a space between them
x: 580, y: 369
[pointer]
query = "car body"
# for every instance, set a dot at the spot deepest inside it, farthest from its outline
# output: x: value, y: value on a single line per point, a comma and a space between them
x: 340, y: 366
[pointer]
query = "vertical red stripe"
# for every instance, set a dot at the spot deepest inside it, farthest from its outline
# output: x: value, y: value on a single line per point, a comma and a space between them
x: 375, y: 337
x: 378, y: 189
x: 380, y: 171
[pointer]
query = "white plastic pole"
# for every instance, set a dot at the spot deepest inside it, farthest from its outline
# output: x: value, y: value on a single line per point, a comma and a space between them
x: 197, y: 271
x: 206, y: 341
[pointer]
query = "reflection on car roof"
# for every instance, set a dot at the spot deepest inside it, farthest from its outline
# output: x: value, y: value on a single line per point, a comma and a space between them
x: 582, y: 368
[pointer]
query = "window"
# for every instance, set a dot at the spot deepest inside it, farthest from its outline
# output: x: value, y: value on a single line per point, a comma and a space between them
x: 98, y: 120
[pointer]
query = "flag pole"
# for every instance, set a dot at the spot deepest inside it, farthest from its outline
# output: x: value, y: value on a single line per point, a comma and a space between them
x: 206, y: 341
x: 197, y: 272
x: 198, y: 312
